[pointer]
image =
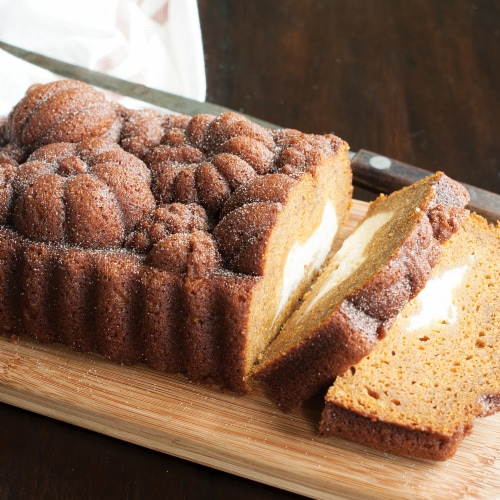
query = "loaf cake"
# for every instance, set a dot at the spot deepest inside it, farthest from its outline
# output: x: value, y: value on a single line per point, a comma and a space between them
x: 379, y: 268
x: 176, y: 241
x: 420, y: 389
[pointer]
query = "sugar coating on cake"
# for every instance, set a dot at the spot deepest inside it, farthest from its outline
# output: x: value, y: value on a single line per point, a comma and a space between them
x: 418, y: 392
x: 160, y: 238
x: 61, y: 111
x: 383, y: 264
x: 200, y: 159
x: 89, y: 194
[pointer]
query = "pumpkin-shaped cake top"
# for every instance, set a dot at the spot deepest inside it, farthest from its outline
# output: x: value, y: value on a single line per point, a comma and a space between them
x: 61, y: 111
x: 89, y: 194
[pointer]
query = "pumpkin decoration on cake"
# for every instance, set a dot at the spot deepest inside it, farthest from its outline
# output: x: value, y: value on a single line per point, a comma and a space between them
x: 60, y: 111
x: 89, y: 194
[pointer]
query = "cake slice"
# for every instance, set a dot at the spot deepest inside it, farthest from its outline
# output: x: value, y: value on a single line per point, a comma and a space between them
x: 418, y: 392
x: 379, y: 268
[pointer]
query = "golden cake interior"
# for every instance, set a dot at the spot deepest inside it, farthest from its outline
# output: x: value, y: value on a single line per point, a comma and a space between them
x: 300, y: 241
x: 372, y: 244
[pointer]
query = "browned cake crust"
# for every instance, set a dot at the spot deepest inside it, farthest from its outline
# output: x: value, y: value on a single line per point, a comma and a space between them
x: 155, y: 238
x: 343, y: 423
x: 418, y: 392
x: 322, y: 341
x: 88, y: 194
x: 61, y: 111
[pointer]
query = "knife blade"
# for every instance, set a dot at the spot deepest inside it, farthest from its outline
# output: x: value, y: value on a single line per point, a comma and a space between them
x: 372, y: 171
x: 150, y: 95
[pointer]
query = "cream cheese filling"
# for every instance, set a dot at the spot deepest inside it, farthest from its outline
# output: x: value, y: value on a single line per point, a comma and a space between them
x: 351, y: 254
x: 313, y: 251
x: 434, y: 303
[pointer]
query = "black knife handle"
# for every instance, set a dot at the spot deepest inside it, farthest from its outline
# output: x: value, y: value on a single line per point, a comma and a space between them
x: 384, y: 175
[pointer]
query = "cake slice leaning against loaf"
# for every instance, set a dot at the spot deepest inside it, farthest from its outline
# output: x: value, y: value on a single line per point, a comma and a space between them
x: 379, y: 268
x: 419, y: 391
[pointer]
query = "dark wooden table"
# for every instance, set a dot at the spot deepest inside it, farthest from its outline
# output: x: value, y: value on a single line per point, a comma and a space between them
x: 416, y: 80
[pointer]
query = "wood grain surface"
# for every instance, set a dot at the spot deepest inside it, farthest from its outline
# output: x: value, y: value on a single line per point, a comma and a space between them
x: 246, y: 436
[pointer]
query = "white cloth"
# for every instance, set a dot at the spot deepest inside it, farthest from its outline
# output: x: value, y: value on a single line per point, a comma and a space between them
x: 154, y: 42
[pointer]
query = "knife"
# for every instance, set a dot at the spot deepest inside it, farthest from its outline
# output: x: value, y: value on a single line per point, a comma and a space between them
x: 123, y: 87
x: 371, y: 171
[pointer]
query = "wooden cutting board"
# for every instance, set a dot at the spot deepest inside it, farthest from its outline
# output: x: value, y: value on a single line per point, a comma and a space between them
x: 245, y: 436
